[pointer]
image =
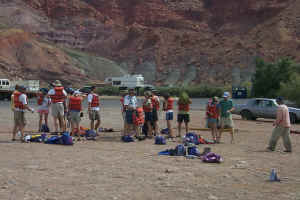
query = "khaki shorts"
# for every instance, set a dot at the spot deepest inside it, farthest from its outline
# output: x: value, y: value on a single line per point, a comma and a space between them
x: 19, y: 118
x: 57, y: 109
x: 74, y: 117
x: 227, y: 122
x: 94, y: 115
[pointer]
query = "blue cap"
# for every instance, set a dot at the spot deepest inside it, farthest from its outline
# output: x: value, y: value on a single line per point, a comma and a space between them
x: 226, y: 94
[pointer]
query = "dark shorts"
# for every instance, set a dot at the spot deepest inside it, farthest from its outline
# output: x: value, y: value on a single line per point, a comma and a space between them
x: 149, y: 116
x: 183, y: 117
x: 129, y: 116
x: 169, y: 116
x: 154, y: 115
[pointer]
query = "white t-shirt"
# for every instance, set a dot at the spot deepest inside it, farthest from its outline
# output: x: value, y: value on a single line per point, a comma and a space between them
x: 52, y: 92
x: 23, y: 99
x: 45, y: 104
x: 90, y: 99
x: 130, y: 101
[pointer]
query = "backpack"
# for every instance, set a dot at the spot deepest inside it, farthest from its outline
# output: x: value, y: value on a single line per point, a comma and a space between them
x: 45, y: 129
x: 165, y: 131
x: 36, y: 138
x: 53, y: 140
x: 127, y: 138
x: 160, y: 140
x: 180, y: 150
x: 191, y: 138
x: 91, y: 135
x: 212, y: 158
x: 193, y: 151
x: 66, y: 139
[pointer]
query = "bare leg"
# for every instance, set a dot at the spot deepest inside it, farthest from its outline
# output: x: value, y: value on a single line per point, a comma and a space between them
x: 156, y: 128
x: 169, y: 125
x: 186, y: 127
x: 149, y: 129
x: 232, y: 135
x: 40, y: 122
x: 98, y: 122
x: 46, y: 119
x: 55, y: 124
x: 61, y: 123
x: 14, y: 132
x: 92, y: 125
x: 179, y: 129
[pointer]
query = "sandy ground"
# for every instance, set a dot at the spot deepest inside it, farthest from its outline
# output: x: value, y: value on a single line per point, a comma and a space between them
x: 110, y: 169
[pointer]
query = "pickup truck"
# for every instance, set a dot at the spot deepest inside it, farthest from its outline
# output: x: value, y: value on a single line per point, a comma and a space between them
x: 263, y: 108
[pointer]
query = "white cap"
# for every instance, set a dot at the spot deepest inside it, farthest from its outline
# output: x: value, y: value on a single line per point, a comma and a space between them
x: 226, y: 94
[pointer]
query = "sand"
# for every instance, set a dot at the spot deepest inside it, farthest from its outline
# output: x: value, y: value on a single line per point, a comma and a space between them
x: 110, y: 169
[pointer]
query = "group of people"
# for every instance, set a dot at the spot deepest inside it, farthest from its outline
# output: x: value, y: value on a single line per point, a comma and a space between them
x: 216, y: 112
x: 66, y: 109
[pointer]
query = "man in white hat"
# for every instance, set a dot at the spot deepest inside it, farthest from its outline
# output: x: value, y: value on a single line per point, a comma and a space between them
x: 58, y: 96
x: 226, y: 107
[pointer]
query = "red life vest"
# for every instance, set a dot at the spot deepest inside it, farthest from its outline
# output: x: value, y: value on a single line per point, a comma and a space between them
x: 75, y: 103
x: 138, y: 116
x: 147, y: 108
x: 184, y: 107
x: 212, y: 111
x: 155, y: 102
x: 95, y: 101
x: 17, y: 103
x: 58, y: 96
x: 40, y: 99
x: 170, y: 102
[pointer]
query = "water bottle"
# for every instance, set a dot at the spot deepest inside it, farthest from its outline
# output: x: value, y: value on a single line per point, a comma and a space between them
x: 19, y: 133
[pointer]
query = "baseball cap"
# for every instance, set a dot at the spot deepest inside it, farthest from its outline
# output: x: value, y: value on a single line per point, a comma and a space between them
x: 226, y: 94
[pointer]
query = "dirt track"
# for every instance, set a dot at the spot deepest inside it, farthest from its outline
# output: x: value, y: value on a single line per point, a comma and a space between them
x: 110, y: 169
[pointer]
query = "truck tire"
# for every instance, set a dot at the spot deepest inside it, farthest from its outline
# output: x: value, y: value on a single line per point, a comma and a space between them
x: 293, y: 118
x: 247, y: 115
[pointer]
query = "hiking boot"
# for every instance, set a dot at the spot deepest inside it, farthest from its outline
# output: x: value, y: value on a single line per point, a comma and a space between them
x: 269, y: 149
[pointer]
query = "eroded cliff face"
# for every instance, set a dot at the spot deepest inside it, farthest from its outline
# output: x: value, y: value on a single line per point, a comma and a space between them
x: 169, y: 41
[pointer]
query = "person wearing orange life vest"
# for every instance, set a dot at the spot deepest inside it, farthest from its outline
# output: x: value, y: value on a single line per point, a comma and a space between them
x: 183, y: 112
x: 212, y: 113
x: 148, y: 110
x: 168, y: 108
x: 58, y: 105
x: 94, y: 109
x: 156, y: 106
x: 74, y: 108
x: 20, y: 106
x: 43, y: 106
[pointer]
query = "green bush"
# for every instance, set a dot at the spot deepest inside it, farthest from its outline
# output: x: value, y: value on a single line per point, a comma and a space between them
x: 290, y: 90
x: 108, y: 90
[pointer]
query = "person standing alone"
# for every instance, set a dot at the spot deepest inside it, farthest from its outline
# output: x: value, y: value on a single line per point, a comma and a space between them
x: 282, y: 127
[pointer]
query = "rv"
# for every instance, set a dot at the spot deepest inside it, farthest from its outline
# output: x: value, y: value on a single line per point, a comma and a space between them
x: 8, y: 86
x: 127, y: 81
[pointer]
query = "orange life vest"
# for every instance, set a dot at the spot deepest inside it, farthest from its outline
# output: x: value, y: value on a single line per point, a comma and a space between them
x: 17, y: 103
x: 75, y: 103
x: 212, y: 111
x: 58, y: 96
x: 95, y: 101
x: 40, y: 99
x: 184, y: 107
x: 155, y: 102
x: 147, y: 108
x: 170, y: 102
x: 138, y: 116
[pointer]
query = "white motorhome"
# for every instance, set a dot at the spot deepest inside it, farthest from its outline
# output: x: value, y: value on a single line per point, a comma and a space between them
x: 129, y: 81
x: 8, y: 86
